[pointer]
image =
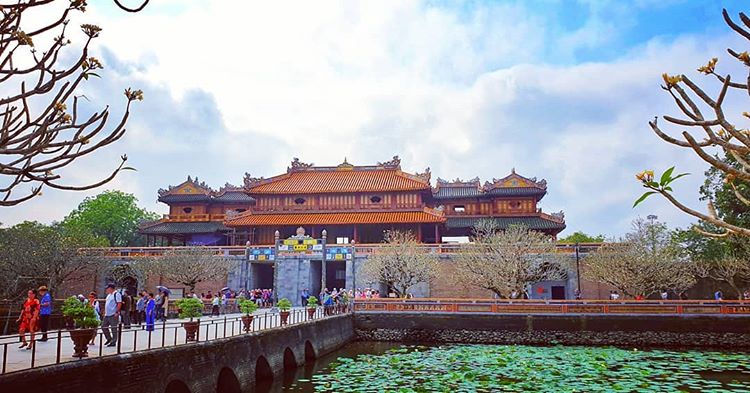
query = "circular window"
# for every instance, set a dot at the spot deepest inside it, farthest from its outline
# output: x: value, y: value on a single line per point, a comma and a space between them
x: 375, y: 199
x: 188, y: 210
x: 299, y: 201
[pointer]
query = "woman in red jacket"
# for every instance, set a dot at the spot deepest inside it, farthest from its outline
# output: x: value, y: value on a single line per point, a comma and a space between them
x: 29, y: 319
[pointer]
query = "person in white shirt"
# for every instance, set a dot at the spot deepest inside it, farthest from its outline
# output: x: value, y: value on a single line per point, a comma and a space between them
x: 111, y: 319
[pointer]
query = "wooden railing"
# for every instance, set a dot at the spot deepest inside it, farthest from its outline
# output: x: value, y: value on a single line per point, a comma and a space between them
x: 360, y: 249
x: 505, y: 306
x: 193, y: 217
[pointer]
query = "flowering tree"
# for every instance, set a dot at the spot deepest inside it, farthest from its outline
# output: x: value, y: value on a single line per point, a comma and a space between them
x: 509, y: 260
x: 729, y: 269
x: 188, y: 266
x: 643, y: 262
x: 716, y: 130
x: 43, y: 129
x: 400, y: 263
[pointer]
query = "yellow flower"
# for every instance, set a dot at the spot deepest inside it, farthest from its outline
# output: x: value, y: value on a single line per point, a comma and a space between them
x: 709, y: 68
x: 640, y: 176
x: 671, y: 81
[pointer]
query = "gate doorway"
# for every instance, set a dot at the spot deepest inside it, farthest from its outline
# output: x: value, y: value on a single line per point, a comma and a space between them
x: 558, y: 292
x: 335, y: 274
x: 262, y: 275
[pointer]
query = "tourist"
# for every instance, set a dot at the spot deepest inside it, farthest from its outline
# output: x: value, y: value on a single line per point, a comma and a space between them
x: 164, y: 305
x: 112, y: 307
x: 305, y: 295
x: 45, y: 310
x: 718, y: 295
x: 28, y: 320
x: 664, y: 295
x: 215, y: 306
x: 150, y: 311
x: 93, y: 303
x: 209, y: 296
x: 159, y: 305
x: 127, y: 305
x: 639, y: 297
x: 141, y: 307
x: 224, y: 302
x: 577, y: 294
x: 746, y: 294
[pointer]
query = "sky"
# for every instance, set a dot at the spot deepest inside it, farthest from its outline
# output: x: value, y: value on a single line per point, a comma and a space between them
x: 558, y: 89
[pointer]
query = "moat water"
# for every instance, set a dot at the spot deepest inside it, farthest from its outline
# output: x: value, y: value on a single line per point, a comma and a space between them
x: 393, y: 367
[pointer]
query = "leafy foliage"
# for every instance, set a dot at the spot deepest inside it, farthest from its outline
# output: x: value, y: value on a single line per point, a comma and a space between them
x: 581, y: 237
x: 284, y: 304
x: 113, y: 215
x: 312, y: 302
x: 500, y: 368
x: 247, y: 306
x: 83, y: 315
x: 190, y: 307
x: 47, y: 253
x: 400, y: 264
x: 509, y: 260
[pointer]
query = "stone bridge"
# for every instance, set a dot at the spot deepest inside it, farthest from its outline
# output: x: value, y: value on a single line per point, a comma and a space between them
x: 232, y: 365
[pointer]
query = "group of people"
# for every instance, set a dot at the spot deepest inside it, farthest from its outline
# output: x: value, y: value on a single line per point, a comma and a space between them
x: 367, y: 293
x: 226, y: 298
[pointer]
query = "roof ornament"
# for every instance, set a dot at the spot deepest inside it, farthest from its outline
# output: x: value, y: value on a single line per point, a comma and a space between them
x: 393, y: 163
x: 345, y: 165
x: 426, y: 175
x: 251, y: 181
x: 297, y: 164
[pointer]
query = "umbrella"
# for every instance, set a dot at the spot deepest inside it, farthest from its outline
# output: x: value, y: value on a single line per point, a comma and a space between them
x: 224, y: 289
x: 163, y: 289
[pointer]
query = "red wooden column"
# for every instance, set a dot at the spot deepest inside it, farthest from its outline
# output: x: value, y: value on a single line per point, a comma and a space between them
x: 419, y: 233
x: 355, y: 237
x: 437, y: 234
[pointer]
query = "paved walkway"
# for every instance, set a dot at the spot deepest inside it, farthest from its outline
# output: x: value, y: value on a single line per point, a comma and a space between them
x: 135, y: 338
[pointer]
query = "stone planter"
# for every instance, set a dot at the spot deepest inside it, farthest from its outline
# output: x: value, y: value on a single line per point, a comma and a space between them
x: 284, y: 317
x: 81, y: 338
x: 247, y: 322
x: 191, y: 329
x: 311, y: 313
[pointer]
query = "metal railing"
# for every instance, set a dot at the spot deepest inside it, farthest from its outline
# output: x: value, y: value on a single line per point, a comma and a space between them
x: 528, y: 306
x: 138, y: 338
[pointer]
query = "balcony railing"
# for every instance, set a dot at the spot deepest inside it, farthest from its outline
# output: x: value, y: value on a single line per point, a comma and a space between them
x: 360, y: 249
x: 193, y: 217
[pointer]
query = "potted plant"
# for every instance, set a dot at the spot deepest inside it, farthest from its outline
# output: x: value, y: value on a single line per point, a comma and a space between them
x: 284, y: 305
x: 247, y: 307
x: 84, y: 325
x: 190, y: 307
x: 312, y: 306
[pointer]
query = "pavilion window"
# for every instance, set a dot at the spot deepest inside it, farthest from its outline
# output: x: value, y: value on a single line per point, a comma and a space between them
x: 299, y: 201
x: 376, y: 199
x: 459, y: 208
x: 187, y: 210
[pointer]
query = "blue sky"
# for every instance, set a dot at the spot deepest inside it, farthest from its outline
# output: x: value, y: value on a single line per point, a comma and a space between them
x: 561, y: 90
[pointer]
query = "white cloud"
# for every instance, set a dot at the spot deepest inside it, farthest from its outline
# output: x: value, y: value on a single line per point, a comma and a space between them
x: 244, y: 86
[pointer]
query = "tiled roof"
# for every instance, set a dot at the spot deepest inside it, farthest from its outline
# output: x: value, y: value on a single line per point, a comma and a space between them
x: 234, y: 196
x: 397, y: 217
x: 517, y: 191
x: 456, y: 192
x: 183, y: 227
x: 176, y: 198
x: 531, y: 222
x: 340, y: 180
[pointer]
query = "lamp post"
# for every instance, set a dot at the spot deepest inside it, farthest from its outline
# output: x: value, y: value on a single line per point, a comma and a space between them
x: 578, y: 268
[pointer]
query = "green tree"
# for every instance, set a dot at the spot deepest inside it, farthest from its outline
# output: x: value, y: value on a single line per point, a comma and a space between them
x: 32, y: 254
x: 581, y: 237
x: 113, y: 215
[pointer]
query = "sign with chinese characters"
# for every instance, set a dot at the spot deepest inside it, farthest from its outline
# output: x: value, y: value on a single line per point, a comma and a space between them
x: 295, y: 246
x: 261, y: 254
x: 338, y: 253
